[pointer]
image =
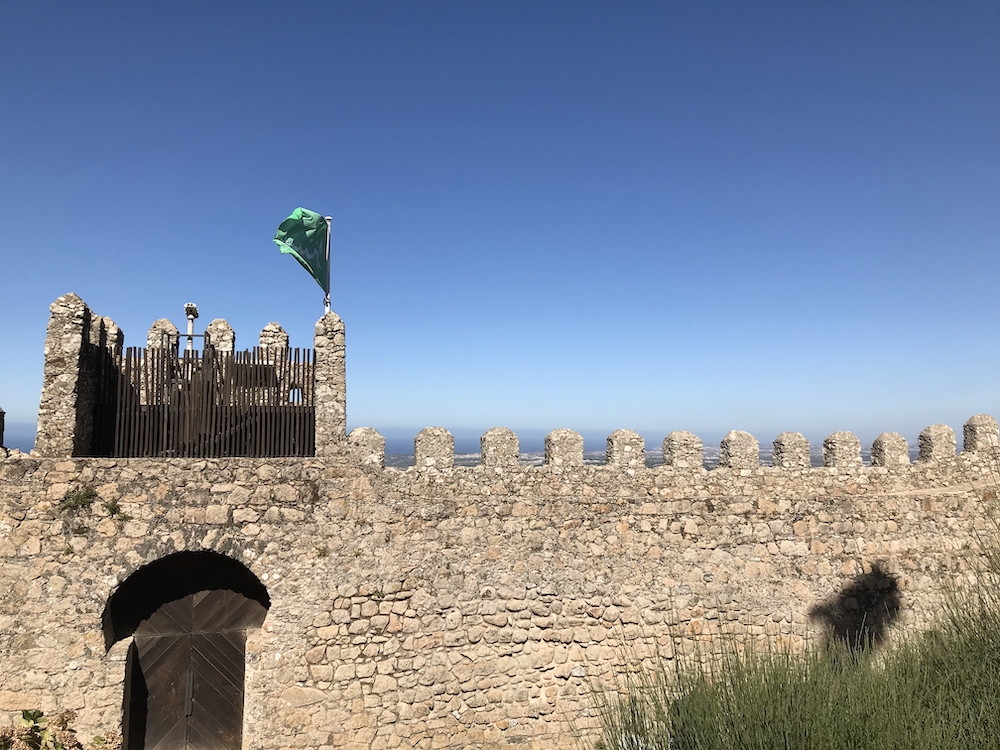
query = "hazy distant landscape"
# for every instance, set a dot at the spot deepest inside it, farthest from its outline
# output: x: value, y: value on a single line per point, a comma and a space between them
x: 653, y: 457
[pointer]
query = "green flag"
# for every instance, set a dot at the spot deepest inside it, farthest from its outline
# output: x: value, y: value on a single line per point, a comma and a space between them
x: 303, y: 235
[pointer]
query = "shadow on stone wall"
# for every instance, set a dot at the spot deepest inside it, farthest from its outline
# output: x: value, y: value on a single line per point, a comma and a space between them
x: 861, y: 613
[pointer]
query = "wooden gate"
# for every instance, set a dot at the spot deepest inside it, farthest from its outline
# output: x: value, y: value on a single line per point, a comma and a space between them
x: 184, y: 680
x: 210, y: 404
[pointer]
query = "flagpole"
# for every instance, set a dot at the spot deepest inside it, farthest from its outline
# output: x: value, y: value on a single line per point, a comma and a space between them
x: 326, y: 299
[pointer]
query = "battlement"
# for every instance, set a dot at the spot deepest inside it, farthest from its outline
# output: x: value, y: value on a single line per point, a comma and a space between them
x: 77, y: 340
x: 434, y: 450
x: 164, y: 334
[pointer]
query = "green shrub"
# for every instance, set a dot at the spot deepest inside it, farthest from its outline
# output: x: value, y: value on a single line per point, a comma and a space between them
x: 33, y: 733
x: 115, y: 511
x: 935, y: 690
x: 82, y: 497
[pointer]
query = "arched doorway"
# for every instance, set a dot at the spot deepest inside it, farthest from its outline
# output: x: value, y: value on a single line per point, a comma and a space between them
x: 188, y: 615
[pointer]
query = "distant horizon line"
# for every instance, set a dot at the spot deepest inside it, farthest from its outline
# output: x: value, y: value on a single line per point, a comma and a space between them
x: 399, y: 441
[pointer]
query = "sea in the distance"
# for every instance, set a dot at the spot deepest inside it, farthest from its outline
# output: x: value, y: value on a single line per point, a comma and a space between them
x: 653, y: 457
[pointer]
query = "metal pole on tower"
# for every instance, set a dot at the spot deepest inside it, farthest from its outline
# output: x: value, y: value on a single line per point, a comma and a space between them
x: 326, y: 300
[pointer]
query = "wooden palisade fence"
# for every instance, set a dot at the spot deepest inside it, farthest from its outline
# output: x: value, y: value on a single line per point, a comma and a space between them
x: 206, y: 404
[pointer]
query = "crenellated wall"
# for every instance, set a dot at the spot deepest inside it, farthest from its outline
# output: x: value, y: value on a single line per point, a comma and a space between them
x: 475, y: 607
x: 472, y: 606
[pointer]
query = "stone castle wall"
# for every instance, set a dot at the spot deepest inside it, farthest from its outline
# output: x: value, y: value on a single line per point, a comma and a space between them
x: 448, y: 606
x: 475, y: 607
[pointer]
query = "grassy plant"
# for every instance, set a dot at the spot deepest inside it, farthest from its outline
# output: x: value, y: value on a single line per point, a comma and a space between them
x: 935, y: 690
x: 83, y: 497
x: 939, y: 690
x: 115, y: 511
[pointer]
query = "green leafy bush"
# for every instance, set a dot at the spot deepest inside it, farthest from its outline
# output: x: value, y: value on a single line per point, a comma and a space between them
x: 115, y: 511
x: 33, y: 733
x: 82, y: 497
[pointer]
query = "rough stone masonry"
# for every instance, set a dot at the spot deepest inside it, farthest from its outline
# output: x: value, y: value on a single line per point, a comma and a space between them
x: 461, y: 607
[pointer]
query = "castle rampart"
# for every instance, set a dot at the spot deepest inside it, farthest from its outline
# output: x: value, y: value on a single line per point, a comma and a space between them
x: 471, y: 607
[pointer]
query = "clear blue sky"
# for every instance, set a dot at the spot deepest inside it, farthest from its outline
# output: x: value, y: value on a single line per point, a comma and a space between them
x: 703, y: 216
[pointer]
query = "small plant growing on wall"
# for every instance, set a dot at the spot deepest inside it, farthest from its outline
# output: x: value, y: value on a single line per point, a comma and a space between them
x: 115, y: 511
x: 82, y: 497
x: 34, y: 733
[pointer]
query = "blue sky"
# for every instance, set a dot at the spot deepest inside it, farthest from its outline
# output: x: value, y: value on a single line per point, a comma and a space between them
x: 659, y: 216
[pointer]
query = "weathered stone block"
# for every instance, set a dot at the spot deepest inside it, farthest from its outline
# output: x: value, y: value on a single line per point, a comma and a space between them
x: 739, y: 450
x: 937, y: 443
x: 221, y: 335
x: 321, y: 672
x: 980, y: 435
x: 842, y: 450
x: 563, y: 448
x: 434, y: 448
x: 106, y: 334
x: 366, y: 446
x: 791, y: 451
x: 217, y: 514
x: 273, y: 336
x: 499, y: 448
x: 683, y: 450
x: 626, y: 449
x: 344, y: 672
x: 891, y: 450
x: 302, y: 696
x: 69, y: 319
x: 330, y: 374
x: 162, y: 334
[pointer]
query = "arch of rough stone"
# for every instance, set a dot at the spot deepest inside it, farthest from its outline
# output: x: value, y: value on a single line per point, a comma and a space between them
x: 171, y: 578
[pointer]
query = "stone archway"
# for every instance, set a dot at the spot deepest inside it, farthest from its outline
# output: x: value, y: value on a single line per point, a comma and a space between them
x: 188, y: 614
